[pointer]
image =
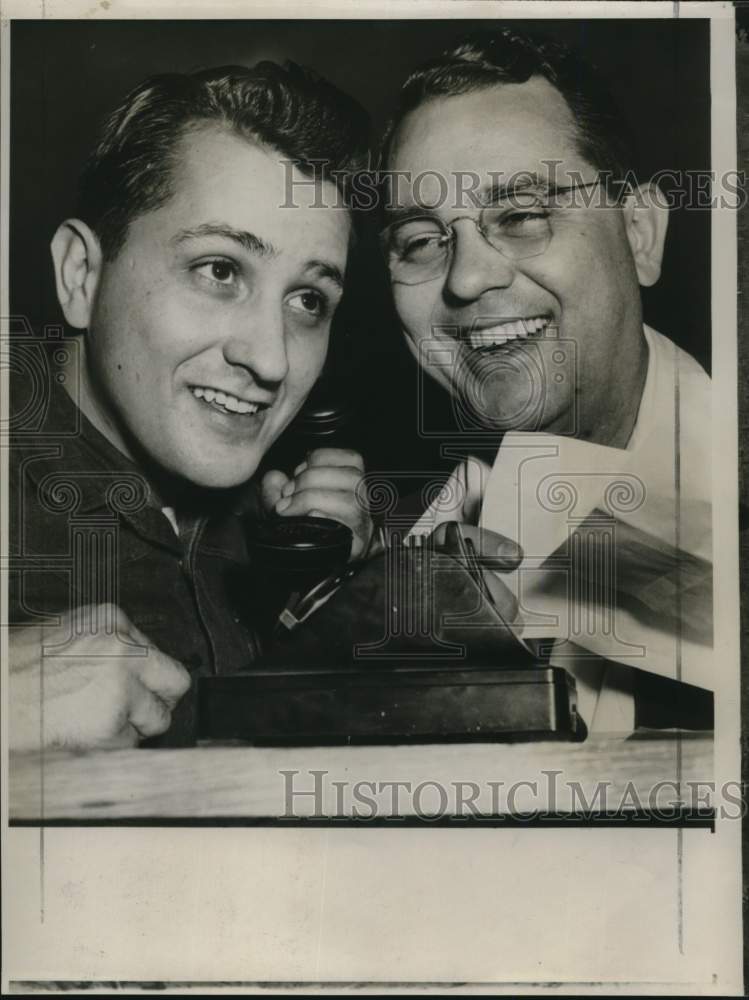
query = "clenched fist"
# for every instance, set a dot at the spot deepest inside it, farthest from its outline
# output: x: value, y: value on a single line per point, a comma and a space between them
x: 93, y: 682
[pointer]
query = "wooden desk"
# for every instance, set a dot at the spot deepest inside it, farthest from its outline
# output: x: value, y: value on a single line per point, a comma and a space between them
x: 246, y: 784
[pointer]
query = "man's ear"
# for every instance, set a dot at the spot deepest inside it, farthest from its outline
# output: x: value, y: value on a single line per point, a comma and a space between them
x: 77, y: 258
x: 646, y: 222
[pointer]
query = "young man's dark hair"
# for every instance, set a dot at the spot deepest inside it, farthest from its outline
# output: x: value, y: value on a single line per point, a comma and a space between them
x: 320, y: 129
x: 487, y: 58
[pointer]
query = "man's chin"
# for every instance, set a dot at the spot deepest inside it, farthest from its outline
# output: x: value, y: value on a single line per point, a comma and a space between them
x: 497, y: 417
x: 221, y: 479
x: 499, y: 412
x: 226, y: 474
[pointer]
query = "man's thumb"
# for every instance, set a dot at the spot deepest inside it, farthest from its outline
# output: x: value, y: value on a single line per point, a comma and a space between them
x: 270, y: 489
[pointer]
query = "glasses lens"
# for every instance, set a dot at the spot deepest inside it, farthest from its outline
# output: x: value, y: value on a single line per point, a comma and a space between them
x: 416, y: 249
x: 519, y: 228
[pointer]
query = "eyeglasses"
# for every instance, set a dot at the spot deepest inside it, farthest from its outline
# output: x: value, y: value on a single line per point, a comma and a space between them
x: 420, y: 247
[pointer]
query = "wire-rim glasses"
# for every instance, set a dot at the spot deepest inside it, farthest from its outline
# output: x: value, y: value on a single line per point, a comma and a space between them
x: 419, y: 247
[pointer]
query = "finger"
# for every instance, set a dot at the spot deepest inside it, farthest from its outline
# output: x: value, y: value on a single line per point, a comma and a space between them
x: 494, y: 551
x: 271, y: 488
x: 336, y: 456
x: 338, y: 504
x: 361, y: 530
x: 104, y: 628
x: 328, y: 477
x: 143, y: 640
x: 139, y: 635
x: 149, y: 715
x: 162, y: 676
x: 379, y: 542
x: 99, y: 619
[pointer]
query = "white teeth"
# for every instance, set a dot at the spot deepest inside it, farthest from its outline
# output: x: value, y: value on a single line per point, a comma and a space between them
x: 230, y: 403
x: 486, y: 338
x: 504, y: 332
x: 541, y: 323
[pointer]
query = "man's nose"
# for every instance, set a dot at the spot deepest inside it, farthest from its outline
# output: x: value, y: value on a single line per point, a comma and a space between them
x: 475, y: 266
x: 258, y: 343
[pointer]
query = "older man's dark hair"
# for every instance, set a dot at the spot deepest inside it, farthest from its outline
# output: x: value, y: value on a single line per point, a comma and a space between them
x: 493, y: 57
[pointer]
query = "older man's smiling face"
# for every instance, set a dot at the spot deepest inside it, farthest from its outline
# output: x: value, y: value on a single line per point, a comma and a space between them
x: 502, y: 317
x: 211, y: 325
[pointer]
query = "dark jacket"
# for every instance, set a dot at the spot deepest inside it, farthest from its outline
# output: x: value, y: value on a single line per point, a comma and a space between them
x: 86, y: 528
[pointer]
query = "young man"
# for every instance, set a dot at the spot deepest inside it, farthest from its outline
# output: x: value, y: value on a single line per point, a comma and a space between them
x: 517, y: 245
x: 204, y: 310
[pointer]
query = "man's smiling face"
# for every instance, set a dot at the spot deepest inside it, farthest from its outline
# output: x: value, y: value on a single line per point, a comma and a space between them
x: 501, y: 317
x: 211, y: 324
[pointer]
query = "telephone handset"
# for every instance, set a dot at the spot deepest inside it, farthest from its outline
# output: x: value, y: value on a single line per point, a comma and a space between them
x: 325, y: 421
x: 291, y: 555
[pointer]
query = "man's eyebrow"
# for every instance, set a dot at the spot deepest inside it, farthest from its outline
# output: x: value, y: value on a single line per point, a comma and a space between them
x: 522, y: 181
x: 489, y: 194
x: 255, y: 245
x: 407, y: 212
x: 326, y: 270
x: 248, y: 241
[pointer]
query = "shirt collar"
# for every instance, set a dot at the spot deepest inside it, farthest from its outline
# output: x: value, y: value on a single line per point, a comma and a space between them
x: 648, y: 408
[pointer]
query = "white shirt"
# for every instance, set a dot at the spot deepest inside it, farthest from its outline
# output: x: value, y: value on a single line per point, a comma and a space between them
x: 542, y: 488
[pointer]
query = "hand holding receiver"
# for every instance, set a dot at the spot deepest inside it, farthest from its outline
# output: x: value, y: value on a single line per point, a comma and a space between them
x: 325, y: 485
x: 94, y: 681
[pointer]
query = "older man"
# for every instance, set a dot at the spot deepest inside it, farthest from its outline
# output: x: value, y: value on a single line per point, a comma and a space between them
x: 517, y: 245
x: 204, y: 308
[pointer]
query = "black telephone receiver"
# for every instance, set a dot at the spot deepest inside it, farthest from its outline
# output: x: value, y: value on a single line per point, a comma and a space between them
x: 325, y: 421
x: 293, y: 554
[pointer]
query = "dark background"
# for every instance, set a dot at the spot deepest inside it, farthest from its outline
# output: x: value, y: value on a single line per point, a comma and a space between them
x: 66, y: 75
